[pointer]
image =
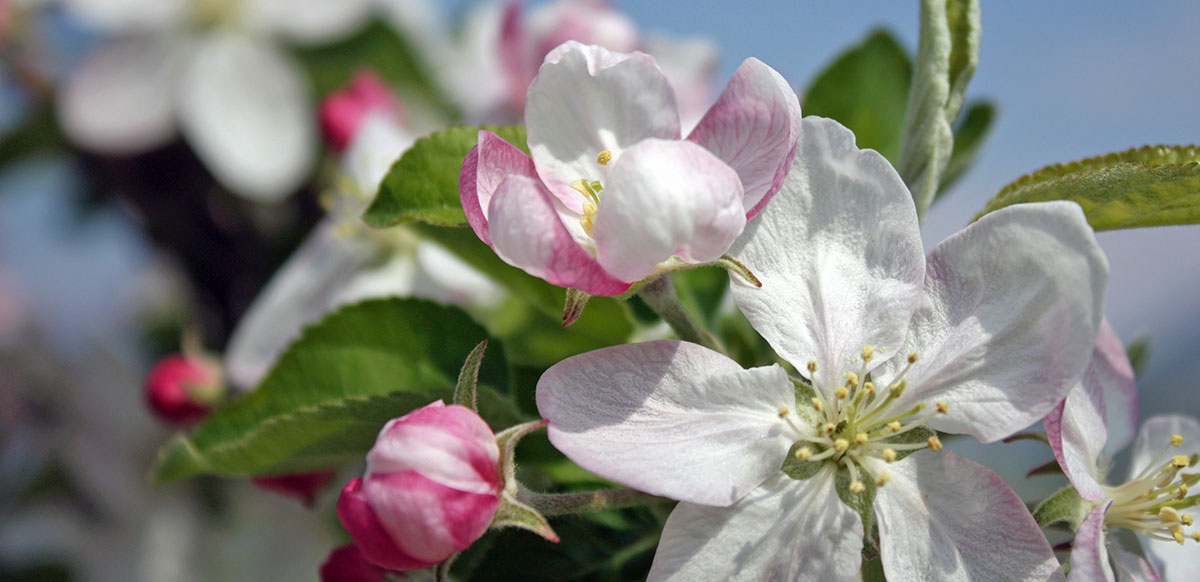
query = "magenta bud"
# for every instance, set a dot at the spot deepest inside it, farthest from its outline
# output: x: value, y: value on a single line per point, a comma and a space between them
x: 347, y: 564
x: 181, y: 390
x: 342, y: 112
x: 301, y: 486
x: 431, y: 488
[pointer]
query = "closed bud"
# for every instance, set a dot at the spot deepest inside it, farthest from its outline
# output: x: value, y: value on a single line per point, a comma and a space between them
x: 343, y: 112
x: 347, y: 564
x: 181, y: 390
x: 300, y: 486
x: 431, y: 488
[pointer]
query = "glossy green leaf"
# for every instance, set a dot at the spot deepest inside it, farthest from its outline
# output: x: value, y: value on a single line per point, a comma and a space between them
x: 1147, y: 186
x: 866, y: 89
x: 335, y: 387
x: 423, y: 184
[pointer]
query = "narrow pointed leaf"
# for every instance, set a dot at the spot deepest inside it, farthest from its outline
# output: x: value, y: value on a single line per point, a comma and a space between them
x: 468, y: 379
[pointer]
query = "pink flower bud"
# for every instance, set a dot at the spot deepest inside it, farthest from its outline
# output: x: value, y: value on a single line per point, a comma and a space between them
x: 347, y: 564
x: 301, y: 486
x: 431, y: 488
x: 180, y: 390
x: 342, y: 113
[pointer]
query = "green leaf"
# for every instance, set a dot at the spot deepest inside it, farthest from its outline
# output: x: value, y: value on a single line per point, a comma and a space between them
x: 423, y: 184
x: 1147, y: 186
x: 332, y: 390
x: 467, y: 388
x: 866, y: 89
x: 946, y: 60
x: 872, y: 570
x: 1138, y: 352
x: 970, y: 133
x: 1064, y: 506
x: 378, y: 48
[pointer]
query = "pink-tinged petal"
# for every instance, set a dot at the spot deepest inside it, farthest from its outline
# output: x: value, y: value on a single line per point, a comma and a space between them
x: 527, y: 232
x: 1089, y: 551
x: 783, y: 530
x: 1156, y: 435
x: 1131, y: 567
x: 839, y: 256
x: 369, y: 535
x: 300, y: 486
x: 594, y: 22
x: 943, y: 518
x: 586, y: 100
x: 450, y: 445
x: 515, y: 56
x: 1009, y: 320
x: 348, y: 564
x: 343, y: 112
x: 1076, y: 431
x: 666, y: 198
x: 753, y: 127
x: 426, y: 519
x: 670, y: 418
x: 119, y: 99
x: 1111, y: 369
x: 486, y: 166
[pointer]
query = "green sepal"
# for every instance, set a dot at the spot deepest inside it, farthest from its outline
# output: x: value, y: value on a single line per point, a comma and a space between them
x: 1065, y: 506
x: 1146, y: 186
x: 514, y: 513
x: 862, y: 503
x: 916, y: 435
x: 573, y: 306
x: 467, y: 387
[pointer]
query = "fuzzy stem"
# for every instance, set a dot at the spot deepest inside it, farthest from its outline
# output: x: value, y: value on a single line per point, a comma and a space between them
x: 660, y: 295
x: 551, y: 504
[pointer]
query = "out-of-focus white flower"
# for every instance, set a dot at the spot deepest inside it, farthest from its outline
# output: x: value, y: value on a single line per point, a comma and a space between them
x: 212, y: 69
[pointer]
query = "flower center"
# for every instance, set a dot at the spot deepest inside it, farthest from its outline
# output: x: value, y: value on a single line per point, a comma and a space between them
x: 591, y: 194
x: 861, y: 429
x: 1150, y: 503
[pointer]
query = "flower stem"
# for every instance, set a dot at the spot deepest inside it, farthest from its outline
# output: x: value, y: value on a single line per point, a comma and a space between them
x: 550, y: 504
x: 660, y: 295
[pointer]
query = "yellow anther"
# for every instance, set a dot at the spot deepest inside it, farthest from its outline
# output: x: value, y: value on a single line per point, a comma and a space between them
x: 783, y: 411
x: 803, y: 453
x: 870, y: 388
x: 1186, y: 519
x: 840, y: 445
x: 1196, y: 535
x: 934, y: 443
x: 604, y: 158
x: 851, y: 379
x: 861, y: 438
x: 898, y: 389
x: 1182, y: 492
x: 889, y: 455
x: 1180, y: 461
x: 812, y: 366
x: 857, y: 487
x: 894, y: 426
x: 1176, y: 440
x: 942, y: 406
x: 883, y: 479
x: 818, y: 404
x: 1178, y: 535
x: 830, y: 427
x: 588, y: 220
x: 912, y: 357
x: 868, y: 352
x: 841, y: 392
x: 1168, y: 515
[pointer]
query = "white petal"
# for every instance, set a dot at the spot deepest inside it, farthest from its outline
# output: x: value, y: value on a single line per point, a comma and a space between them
x: 245, y: 109
x: 1155, y: 437
x: 1089, y: 550
x: 118, y: 101
x: 1173, y: 561
x: 690, y: 64
x: 943, y: 518
x: 1077, y: 434
x: 1131, y: 567
x: 311, y: 21
x: 669, y: 418
x: 838, y: 254
x: 443, y: 277
x: 586, y: 100
x: 303, y: 289
x: 666, y: 198
x: 1111, y: 370
x: 377, y: 144
x: 784, y: 530
x: 1009, y: 320
x: 129, y: 15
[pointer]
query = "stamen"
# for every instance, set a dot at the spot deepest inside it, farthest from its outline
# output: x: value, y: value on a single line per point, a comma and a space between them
x: 889, y: 455
x: 604, y: 158
x: 851, y: 379
x: 934, y: 443
x: 830, y: 427
x: 803, y: 453
x: 894, y: 426
x: 1176, y: 440
x: 943, y: 407
x: 912, y: 357
x: 861, y: 438
x: 868, y: 352
x: 812, y: 366
x: 841, y: 393
x: 840, y: 445
x: 857, y: 487
x: 883, y: 479
x: 1180, y: 461
x: 818, y: 404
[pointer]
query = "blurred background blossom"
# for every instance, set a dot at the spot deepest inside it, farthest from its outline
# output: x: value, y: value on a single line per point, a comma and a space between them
x: 162, y: 170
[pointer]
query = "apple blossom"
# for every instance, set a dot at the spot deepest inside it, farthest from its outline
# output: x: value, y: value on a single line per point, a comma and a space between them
x: 182, y: 390
x: 1152, y: 500
x: 347, y: 564
x: 240, y: 101
x: 982, y: 336
x: 431, y: 488
x: 610, y: 190
x: 344, y: 112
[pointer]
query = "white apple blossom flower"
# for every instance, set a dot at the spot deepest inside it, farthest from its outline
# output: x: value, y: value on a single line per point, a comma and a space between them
x: 980, y: 337
x: 214, y: 70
